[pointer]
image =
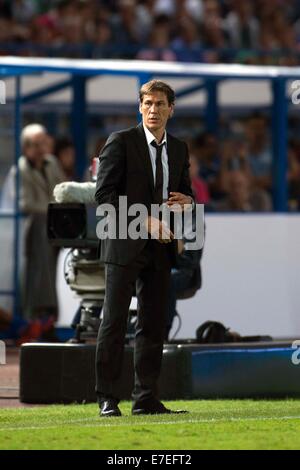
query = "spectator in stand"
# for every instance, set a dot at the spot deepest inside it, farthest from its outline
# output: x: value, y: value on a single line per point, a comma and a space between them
x: 265, y: 8
x: 73, y: 40
x: 88, y: 12
x: 258, y: 151
x: 187, y: 44
x: 62, y: 12
x: 39, y: 173
x: 65, y: 152
x: 49, y: 144
x: 286, y: 38
x: 278, y: 38
x: 212, y: 31
x: 6, y: 31
x: 23, y: 10
x: 145, y: 11
x: 126, y: 29
x: 241, y: 26
x: 102, y: 40
x: 43, y: 35
x: 5, y: 8
x: 294, y: 176
x: 268, y: 44
x: 199, y: 186
x: 206, y: 149
x: 241, y: 197
x: 180, y: 8
x: 159, y: 42
x: 233, y: 158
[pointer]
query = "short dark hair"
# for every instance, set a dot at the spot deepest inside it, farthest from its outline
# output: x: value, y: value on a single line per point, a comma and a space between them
x: 62, y: 143
x: 157, y: 85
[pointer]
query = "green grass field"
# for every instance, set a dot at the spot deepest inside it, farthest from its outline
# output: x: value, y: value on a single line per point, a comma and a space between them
x: 222, y: 424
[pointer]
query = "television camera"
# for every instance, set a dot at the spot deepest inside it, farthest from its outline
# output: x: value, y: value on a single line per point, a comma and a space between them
x: 73, y: 225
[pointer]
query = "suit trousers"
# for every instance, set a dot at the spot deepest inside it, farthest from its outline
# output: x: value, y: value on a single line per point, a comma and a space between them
x: 150, y: 274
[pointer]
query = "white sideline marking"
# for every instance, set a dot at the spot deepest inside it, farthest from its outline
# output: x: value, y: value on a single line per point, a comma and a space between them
x: 99, y: 423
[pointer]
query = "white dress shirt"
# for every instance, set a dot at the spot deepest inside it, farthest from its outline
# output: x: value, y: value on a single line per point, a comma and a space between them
x: 164, y: 159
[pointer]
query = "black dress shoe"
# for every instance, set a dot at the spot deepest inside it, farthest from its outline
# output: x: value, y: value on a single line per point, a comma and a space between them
x: 154, y: 407
x: 109, y: 408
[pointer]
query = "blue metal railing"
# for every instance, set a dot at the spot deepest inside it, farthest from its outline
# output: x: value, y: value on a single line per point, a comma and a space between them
x: 18, y: 126
x: 16, y: 216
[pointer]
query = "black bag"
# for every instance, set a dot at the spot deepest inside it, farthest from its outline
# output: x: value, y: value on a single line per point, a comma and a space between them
x: 212, y: 332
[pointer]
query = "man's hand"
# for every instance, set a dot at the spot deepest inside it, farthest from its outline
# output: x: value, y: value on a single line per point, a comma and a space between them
x: 177, y: 201
x: 159, y: 230
x: 180, y: 246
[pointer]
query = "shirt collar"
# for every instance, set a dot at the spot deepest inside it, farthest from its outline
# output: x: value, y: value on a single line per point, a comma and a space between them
x: 150, y: 137
x: 46, y: 161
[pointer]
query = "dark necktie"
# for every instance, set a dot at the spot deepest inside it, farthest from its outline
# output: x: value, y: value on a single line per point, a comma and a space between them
x: 159, y: 177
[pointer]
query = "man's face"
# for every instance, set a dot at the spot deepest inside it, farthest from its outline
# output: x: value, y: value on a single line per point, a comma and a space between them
x: 36, y: 148
x: 156, y: 111
x: 67, y: 158
x: 210, y: 148
x: 239, y: 187
x: 256, y: 129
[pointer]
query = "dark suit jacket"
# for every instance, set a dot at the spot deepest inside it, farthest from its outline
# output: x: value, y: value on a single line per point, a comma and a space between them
x: 125, y: 170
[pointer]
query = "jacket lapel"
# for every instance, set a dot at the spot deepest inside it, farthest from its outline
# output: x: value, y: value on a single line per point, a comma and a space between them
x: 40, y: 181
x: 172, y: 150
x: 173, y: 163
x: 37, y: 177
x: 144, y: 153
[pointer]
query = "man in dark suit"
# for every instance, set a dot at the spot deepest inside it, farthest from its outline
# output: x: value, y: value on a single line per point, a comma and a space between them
x: 148, y: 166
